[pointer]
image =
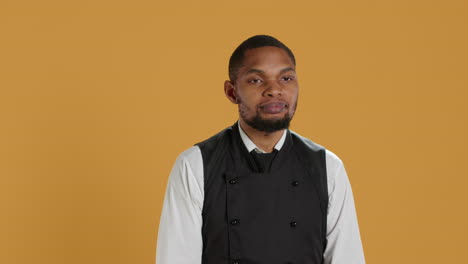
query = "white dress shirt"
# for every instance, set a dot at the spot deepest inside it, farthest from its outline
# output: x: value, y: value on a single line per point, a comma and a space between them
x: 180, y: 229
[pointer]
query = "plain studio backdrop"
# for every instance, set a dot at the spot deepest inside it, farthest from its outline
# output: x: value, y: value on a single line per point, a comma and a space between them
x: 97, y: 99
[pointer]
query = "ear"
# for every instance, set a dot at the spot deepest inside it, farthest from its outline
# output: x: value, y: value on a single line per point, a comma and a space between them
x: 230, y: 91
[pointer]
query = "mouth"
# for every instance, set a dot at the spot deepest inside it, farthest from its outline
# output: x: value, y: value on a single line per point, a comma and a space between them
x: 273, y: 107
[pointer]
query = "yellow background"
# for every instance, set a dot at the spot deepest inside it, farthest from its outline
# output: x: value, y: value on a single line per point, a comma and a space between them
x: 97, y: 99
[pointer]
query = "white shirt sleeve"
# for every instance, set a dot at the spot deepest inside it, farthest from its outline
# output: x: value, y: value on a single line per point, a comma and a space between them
x: 180, y: 226
x: 344, y: 241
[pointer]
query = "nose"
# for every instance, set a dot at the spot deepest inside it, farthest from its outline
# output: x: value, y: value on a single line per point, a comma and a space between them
x: 273, y: 89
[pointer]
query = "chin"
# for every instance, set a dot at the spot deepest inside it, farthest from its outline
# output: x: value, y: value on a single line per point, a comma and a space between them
x: 269, y: 125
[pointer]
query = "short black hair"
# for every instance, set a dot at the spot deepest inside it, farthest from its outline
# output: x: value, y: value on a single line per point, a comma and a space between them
x: 257, y: 41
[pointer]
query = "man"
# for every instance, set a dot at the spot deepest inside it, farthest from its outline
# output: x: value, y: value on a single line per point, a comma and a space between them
x: 258, y: 193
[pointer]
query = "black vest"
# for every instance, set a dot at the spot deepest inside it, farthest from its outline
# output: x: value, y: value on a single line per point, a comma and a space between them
x: 263, y: 218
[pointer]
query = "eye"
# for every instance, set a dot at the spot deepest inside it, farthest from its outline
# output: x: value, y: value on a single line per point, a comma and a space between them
x: 287, y: 78
x: 254, y: 81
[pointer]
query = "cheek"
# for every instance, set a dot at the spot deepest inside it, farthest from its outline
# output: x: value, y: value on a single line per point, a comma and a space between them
x: 245, y: 106
x: 295, y: 91
x: 247, y: 99
x: 293, y: 96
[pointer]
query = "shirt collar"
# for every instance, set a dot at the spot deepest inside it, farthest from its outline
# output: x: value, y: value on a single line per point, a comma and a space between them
x: 251, y: 146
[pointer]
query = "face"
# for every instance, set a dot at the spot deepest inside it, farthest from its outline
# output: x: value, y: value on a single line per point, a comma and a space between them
x: 266, y: 89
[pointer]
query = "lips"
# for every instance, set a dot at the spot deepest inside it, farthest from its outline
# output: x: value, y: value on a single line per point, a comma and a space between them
x: 273, y: 107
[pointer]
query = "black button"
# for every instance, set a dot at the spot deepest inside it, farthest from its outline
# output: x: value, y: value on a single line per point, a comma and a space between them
x: 295, y: 183
x: 293, y: 224
x: 234, y: 221
x: 233, y: 181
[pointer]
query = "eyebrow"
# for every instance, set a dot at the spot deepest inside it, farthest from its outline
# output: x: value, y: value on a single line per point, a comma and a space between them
x: 287, y: 69
x: 261, y: 72
x: 254, y: 71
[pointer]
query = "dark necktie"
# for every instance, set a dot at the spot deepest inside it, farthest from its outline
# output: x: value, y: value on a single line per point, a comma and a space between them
x: 263, y: 160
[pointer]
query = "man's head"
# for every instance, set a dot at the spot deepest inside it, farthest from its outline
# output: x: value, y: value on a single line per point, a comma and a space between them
x: 258, y: 41
x: 263, y: 83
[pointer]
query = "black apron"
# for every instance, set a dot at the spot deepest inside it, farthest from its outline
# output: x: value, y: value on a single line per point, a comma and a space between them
x: 272, y: 217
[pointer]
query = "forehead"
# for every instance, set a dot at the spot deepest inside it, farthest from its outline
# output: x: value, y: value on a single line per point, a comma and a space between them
x: 266, y: 57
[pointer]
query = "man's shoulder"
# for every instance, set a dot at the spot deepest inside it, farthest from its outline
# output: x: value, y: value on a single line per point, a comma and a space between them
x: 306, y: 141
x: 330, y: 156
x: 193, y: 156
x: 190, y: 154
x: 333, y: 158
x: 214, y: 140
x: 215, y: 147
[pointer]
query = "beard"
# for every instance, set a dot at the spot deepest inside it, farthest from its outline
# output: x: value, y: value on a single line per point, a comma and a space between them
x: 266, y: 125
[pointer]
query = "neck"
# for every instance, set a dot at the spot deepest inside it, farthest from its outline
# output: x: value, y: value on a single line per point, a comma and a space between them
x: 265, y: 141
